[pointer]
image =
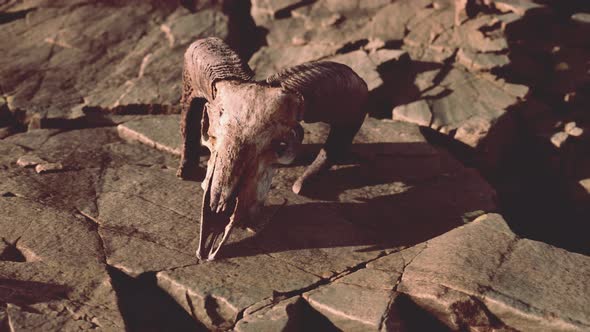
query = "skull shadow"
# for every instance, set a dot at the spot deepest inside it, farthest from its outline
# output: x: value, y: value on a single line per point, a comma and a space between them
x: 386, y: 196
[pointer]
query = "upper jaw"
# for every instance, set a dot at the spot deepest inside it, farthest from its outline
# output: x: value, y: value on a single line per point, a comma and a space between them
x: 221, y: 212
x: 216, y: 225
x: 217, y: 218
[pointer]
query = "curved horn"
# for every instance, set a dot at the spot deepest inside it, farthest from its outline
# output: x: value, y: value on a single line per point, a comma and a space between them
x: 332, y: 93
x: 324, y: 85
x: 210, y: 60
x: 206, y: 61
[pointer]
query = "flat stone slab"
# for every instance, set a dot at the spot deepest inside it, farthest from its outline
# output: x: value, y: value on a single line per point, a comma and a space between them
x: 148, y: 219
x: 359, y: 301
x: 56, y: 276
x: 478, y: 276
x: 230, y: 286
x: 367, y: 299
x: 111, y: 57
x: 160, y: 131
x: 483, y: 275
x: 358, y: 211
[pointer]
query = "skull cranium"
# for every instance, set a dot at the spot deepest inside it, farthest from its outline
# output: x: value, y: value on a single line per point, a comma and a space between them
x: 250, y: 126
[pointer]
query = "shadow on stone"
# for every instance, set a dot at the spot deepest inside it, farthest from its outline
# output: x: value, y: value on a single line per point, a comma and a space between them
x: 533, y: 189
x: 145, y: 307
x: 343, y: 213
x: 538, y: 183
x: 25, y: 293
x: 7, y: 17
x: 312, y: 320
x: 398, y: 87
x: 416, y: 319
x: 11, y: 253
x: 244, y: 36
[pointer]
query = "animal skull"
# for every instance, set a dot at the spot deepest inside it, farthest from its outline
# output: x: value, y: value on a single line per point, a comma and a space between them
x: 251, y: 126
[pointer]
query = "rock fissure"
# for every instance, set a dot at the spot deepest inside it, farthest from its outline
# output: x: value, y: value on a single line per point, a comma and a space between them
x: 504, y: 257
x: 96, y: 228
x: 178, y: 213
x: 134, y: 234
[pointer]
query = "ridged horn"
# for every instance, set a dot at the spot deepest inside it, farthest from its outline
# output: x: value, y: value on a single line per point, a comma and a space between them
x: 211, y: 60
x: 332, y: 92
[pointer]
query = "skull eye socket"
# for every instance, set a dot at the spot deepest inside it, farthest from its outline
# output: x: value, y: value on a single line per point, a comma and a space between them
x: 280, y: 147
x: 286, y: 148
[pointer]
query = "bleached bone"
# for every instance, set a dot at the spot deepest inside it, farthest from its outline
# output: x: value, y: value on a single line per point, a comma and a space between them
x: 251, y: 126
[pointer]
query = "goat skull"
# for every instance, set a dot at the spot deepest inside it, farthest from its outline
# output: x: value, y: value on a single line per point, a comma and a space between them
x: 250, y: 126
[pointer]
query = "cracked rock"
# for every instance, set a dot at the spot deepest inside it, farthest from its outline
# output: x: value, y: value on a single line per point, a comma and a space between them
x: 397, y: 228
x: 358, y: 301
x: 68, y: 60
x: 225, y: 288
x: 366, y: 300
x: 417, y: 112
x: 392, y: 163
x: 63, y: 284
x: 317, y: 31
x: 286, y: 315
x: 140, y: 213
x: 483, y: 276
x: 365, y: 65
x: 263, y: 10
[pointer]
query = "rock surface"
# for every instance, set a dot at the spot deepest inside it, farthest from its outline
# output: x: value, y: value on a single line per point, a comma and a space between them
x: 97, y: 232
x: 310, y: 239
x: 483, y: 275
x: 53, y: 274
x: 145, y: 219
x: 74, y: 61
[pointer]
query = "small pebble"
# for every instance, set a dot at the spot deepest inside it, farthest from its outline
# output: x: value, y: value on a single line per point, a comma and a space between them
x: 29, y: 160
x: 48, y: 167
x: 559, y: 138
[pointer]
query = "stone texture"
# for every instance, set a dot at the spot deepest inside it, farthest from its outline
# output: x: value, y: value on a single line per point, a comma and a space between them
x: 366, y: 300
x: 484, y: 276
x: 163, y: 132
x: 74, y: 60
x: 226, y: 287
x: 481, y: 61
x: 29, y: 160
x: 366, y: 64
x: 286, y: 315
x: 520, y: 7
x: 129, y: 201
x: 392, y: 163
x: 48, y: 167
x: 357, y: 302
x: 62, y: 282
x: 263, y: 10
x: 317, y: 31
x: 376, y: 232
x: 417, y: 112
